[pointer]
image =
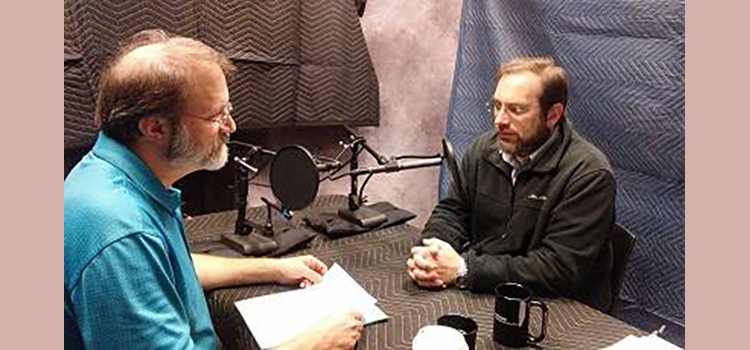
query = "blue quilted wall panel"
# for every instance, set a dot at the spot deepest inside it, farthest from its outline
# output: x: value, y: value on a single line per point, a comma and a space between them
x: 626, y: 63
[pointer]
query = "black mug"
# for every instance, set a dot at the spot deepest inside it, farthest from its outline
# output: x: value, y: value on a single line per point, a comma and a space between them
x: 467, y: 326
x: 512, y: 312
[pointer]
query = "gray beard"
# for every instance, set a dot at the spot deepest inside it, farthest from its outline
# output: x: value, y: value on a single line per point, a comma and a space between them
x: 183, y: 152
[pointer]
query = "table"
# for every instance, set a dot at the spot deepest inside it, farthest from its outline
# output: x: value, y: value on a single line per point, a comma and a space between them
x: 377, y: 260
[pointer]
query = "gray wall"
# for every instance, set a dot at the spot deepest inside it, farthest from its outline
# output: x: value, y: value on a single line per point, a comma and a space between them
x: 413, y: 48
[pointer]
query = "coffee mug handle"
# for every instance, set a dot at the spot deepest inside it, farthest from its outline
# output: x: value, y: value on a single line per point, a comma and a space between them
x: 543, y: 331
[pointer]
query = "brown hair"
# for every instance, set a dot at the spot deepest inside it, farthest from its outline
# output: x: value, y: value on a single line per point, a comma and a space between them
x: 160, y: 85
x: 554, y: 79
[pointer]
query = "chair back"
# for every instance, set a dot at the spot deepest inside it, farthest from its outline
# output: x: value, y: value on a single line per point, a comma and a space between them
x: 622, y: 244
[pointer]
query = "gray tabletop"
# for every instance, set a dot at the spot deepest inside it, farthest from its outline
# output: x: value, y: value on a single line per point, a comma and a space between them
x: 377, y: 260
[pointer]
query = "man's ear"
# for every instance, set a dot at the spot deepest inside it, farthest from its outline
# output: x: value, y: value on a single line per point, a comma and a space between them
x: 554, y: 114
x: 154, y: 129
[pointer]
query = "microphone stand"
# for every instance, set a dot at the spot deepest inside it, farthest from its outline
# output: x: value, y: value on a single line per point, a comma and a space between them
x: 244, y: 240
x: 241, y: 182
x: 356, y: 212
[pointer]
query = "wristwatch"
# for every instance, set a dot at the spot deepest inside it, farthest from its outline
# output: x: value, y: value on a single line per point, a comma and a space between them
x: 463, y: 274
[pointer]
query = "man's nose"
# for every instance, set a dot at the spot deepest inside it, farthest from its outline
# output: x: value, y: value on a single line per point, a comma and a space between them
x: 501, y: 117
x: 231, y: 125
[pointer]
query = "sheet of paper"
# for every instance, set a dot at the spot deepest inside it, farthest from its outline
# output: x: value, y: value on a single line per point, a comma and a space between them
x: 276, y: 318
x: 338, y: 285
x: 651, y: 342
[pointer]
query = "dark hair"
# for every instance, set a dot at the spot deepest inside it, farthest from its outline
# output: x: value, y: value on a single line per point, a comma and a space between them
x: 160, y: 85
x: 554, y: 79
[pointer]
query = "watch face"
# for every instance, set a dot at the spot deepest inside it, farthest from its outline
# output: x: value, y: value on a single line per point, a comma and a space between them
x: 463, y: 272
x: 461, y: 282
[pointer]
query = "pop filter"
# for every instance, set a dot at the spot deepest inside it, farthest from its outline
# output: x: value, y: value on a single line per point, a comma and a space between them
x: 450, y: 161
x: 294, y: 177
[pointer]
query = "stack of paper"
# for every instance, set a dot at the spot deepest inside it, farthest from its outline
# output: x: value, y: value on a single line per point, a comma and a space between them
x: 276, y: 318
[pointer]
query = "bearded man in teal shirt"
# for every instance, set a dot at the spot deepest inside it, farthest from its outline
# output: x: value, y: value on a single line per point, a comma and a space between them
x: 130, y: 280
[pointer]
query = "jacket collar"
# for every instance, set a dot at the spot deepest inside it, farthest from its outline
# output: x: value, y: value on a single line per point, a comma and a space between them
x: 545, y: 161
x: 123, y: 158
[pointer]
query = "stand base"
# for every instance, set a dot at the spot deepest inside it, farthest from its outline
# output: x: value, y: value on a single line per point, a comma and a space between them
x: 252, y: 244
x: 281, y: 238
x: 363, y: 216
x: 291, y: 239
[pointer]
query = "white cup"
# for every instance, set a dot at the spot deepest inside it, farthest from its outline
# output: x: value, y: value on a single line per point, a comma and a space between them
x: 439, y: 338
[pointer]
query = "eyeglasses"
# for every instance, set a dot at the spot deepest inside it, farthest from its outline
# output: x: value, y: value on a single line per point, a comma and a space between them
x: 491, y: 107
x: 513, y: 109
x: 221, y: 118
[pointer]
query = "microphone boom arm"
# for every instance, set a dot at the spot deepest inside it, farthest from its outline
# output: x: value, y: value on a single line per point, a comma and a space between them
x: 392, y: 166
x: 358, y: 144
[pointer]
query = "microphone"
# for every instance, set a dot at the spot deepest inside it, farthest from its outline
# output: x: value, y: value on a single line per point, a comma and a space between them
x: 242, y: 162
x: 252, y: 149
x: 244, y: 151
x: 323, y: 167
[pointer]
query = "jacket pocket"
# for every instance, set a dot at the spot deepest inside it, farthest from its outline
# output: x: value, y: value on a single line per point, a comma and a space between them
x: 519, y: 233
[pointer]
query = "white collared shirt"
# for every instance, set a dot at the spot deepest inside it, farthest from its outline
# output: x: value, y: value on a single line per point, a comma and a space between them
x: 516, y: 163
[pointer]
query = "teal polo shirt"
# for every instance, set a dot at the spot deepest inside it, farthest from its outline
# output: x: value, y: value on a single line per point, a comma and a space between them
x: 129, y: 278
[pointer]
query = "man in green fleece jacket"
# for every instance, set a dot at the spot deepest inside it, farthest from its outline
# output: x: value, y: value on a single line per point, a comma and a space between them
x: 536, y: 201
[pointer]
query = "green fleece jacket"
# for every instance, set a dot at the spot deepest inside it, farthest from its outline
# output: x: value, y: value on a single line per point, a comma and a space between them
x: 549, y: 232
